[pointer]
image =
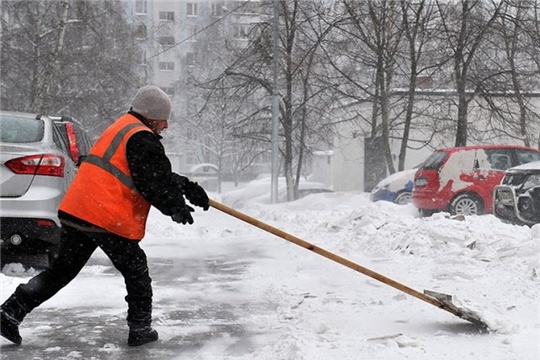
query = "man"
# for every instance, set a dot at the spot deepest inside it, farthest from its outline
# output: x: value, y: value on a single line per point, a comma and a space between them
x: 107, y: 205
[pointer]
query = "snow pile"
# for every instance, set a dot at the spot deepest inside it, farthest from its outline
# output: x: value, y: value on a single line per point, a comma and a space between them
x: 228, y: 290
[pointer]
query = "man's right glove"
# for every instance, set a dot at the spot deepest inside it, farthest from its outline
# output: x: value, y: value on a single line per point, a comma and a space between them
x: 184, y: 215
x: 196, y: 195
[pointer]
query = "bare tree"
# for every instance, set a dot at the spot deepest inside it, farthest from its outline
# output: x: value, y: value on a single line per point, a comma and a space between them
x: 214, y: 122
x: 67, y: 58
x: 303, y: 104
x: 368, y: 44
x: 417, y: 17
x: 509, y: 66
x: 464, y: 27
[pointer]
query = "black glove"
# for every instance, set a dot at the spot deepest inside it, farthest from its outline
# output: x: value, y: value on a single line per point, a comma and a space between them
x: 196, y: 195
x: 184, y: 215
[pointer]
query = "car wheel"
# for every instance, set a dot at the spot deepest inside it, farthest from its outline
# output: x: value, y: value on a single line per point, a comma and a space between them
x: 466, y: 204
x: 403, y: 198
x: 426, y: 212
x: 52, y: 254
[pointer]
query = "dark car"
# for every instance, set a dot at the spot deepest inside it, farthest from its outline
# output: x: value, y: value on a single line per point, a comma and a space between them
x: 517, y: 199
x: 36, y: 170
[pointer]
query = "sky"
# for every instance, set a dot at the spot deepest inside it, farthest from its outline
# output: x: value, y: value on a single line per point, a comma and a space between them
x: 224, y: 289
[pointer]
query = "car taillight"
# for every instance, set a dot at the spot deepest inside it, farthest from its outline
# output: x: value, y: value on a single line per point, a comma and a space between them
x: 44, y: 222
x: 73, y: 149
x: 41, y: 164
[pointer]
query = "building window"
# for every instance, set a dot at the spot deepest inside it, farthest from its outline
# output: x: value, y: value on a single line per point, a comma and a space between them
x: 140, y: 32
x: 240, y: 31
x: 217, y: 9
x: 191, y: 9
x: 166, y: 15
x: 247, y: 7
x: 166, y: 40
x: 424, y: 82
x: 166, y: 66
x: 190, y: 59
x: 141, y: 7
x: 193, y: 31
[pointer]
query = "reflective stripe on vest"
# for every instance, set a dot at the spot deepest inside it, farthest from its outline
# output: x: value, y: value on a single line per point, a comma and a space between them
x: 105, y: 161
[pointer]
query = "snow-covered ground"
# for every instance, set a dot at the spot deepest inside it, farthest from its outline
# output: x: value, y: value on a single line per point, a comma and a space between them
x: 290, y: 303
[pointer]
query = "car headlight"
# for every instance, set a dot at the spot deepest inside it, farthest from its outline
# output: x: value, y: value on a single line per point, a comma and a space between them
x: 421, y: 181
x: 533, y: 180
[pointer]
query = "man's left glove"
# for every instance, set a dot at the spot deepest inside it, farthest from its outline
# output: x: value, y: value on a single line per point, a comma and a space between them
x: 184, y: 215
x: 196, y: 195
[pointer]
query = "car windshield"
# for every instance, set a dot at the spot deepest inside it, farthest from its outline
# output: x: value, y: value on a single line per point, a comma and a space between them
x: 434, y: 161
x: 16, y: 129
x: 527, y: 156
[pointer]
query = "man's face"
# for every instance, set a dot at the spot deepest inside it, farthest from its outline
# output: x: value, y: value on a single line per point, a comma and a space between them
x: 158, y: 126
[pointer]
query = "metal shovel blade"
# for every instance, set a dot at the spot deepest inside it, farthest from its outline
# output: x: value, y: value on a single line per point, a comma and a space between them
x: 465, y: 314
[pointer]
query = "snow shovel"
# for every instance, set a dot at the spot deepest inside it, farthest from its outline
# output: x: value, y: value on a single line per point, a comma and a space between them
x: 442, y: 301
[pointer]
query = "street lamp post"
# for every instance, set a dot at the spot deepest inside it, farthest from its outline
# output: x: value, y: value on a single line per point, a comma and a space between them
x: 275, y: 106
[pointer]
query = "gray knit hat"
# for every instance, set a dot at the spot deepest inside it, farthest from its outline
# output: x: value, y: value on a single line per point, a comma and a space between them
x: 152, y: 103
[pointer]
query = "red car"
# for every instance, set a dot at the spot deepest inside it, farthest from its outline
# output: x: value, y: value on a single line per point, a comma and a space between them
x: 460, y: 180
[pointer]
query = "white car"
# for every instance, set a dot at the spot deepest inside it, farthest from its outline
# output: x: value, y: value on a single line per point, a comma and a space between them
x: 35, y: 172
x: 260, y: 190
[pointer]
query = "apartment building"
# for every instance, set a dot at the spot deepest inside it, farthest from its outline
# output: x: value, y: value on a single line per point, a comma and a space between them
x: 168, y: 31
x: 179, y: 41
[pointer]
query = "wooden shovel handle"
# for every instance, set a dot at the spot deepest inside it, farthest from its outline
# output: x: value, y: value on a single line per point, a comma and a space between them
x: 327, y: 254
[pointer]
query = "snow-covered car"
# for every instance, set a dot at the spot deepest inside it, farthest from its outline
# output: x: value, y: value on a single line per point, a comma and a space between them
x: 517, y: 199
x: 35, y: 172
x: 259, y: 190
x: 396, y: 188
x: 461, y: 180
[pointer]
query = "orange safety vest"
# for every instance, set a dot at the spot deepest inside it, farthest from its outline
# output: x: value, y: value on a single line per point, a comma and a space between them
x: 103, y: 192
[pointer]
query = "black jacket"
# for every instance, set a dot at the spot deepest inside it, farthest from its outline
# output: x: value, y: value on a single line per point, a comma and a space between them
x: 151, y: 172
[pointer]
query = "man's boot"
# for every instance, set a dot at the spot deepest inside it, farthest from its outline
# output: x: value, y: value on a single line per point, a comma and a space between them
x: 9, y: 327
x: 141, y: 335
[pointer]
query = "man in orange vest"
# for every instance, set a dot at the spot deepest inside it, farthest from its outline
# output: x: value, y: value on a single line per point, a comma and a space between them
x: 107, y: 206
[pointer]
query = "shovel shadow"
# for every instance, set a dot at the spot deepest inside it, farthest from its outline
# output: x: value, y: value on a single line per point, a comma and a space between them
x: 458, y: 328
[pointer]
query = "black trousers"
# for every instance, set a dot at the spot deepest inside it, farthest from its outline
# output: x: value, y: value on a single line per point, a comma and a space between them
x: 76, y: 247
